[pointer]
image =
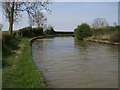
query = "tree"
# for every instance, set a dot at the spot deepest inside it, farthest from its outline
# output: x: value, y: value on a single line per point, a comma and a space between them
x: 50, y: 30
x: 82, y: 31
x: 30, y: 21
x: 12, y: 10
x: 100, y: 22
x: 38, y: 18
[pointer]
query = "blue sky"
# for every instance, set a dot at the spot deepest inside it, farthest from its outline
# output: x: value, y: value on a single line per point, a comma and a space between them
x: 67, y: 15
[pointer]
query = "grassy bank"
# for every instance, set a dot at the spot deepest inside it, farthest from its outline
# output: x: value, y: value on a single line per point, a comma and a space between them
x: 108, y: 34
x: 19, y: 70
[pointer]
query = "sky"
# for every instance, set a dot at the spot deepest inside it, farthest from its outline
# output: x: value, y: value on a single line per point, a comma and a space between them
x: 67, y: 15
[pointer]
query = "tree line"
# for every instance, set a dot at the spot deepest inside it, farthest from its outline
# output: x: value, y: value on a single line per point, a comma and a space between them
x: 12, y: 11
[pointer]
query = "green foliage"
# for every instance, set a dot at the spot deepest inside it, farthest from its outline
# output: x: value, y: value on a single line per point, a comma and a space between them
x: 104, y: 30
x: 9, y: 43
x: 21, y: 71
x: 18, y: 69
x: 82, y: 31
x: 30, y: 32
x: 112, y: 31
x: 26, y: 32
x: 115, y: 37
x: 50, y: 31
x: 38, y: 31
x: 6, y: 37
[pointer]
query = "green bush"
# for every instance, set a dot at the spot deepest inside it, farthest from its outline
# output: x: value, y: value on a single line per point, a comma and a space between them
x: 38, y: 31
x: 30, y: 32
x: 105, y: 30
x: 9, y: 43
x: 6, y: 37
x: 82, y: 31
x: 50, y: 30
x: 26, y: 32
x: 115, y: 37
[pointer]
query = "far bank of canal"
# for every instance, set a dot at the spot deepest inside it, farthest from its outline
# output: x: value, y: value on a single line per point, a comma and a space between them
x: 69, y: 63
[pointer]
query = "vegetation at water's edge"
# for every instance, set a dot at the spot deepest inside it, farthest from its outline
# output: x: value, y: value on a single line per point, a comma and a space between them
x: 50, y: 31
x: 34, y: 32
x: 29, y: 32
x: 82, y: 31
x: 19, y: 70
x: 107, y: 33
x: 115, y: 37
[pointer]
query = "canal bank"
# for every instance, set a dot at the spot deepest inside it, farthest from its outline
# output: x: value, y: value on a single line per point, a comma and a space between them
x: 19, y: 70
x: 21, y: 66
x: 18, y: 64
x: 103, y: 42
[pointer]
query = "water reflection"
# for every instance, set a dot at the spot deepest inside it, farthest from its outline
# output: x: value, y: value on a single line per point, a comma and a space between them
x: 69, y: 63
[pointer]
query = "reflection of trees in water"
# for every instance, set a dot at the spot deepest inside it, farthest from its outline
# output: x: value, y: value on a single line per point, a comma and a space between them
x: 80, y: 43
x: 82, y: 60
x: 89, y: 50
x: 114, y: 48
x: 82, y: 49
x: 86, y: 44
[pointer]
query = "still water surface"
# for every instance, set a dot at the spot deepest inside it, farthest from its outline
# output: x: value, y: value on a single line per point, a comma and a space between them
x: 69, y: 63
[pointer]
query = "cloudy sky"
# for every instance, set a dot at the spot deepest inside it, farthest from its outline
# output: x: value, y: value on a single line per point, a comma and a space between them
x: 67, y: 15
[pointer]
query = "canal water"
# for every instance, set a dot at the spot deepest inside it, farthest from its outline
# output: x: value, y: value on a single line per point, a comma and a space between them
x: 69, y: 63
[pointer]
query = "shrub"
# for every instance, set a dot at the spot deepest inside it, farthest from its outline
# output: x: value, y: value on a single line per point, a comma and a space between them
x: 104, y: 30
x: 8, y: 44
x: 115, y: 37
x: 82, y: 31
x: 50, y: 30
x: 5, y: 37
x: 27, y: 32
x: 30, y: 32
x: 38, y: 31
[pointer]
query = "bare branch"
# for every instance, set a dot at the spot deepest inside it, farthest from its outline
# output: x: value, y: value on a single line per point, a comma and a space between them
x: 100, y: 22
x: 12, y: 9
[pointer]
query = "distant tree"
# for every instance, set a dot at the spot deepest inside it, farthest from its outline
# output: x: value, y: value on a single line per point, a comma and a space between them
x: 100, y: 22
x: 38, y: 19
x: 50, y: 30
x: 12, y: 10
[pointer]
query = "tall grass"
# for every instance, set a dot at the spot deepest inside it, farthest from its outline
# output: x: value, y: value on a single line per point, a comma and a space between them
x: 115, y: 37
x: 111, y: 33
x: 105, y: 30
x: 20, y: 70
x: 9, y: 43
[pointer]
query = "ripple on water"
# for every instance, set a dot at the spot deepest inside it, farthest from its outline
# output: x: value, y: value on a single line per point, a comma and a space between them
x: 69, y: 63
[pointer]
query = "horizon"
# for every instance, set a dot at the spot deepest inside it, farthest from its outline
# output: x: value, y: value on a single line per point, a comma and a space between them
x: 66, y: 16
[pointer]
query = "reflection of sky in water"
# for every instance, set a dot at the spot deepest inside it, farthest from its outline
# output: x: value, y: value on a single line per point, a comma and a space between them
x: 66, y: 62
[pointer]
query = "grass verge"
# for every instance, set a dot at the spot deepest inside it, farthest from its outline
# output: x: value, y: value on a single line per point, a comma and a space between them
x: 19, y: 70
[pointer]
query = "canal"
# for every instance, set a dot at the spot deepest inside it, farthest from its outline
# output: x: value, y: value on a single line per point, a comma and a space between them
x: 68, y: 63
